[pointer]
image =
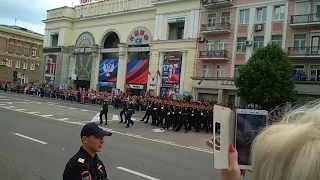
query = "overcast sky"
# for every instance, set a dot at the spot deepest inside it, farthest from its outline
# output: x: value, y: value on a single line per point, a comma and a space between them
x: 29, y: 14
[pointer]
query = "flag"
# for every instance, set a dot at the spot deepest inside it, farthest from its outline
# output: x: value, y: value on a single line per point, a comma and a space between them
x: 51, y: 68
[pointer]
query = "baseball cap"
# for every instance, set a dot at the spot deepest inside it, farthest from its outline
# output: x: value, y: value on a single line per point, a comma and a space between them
x: 93, y: 129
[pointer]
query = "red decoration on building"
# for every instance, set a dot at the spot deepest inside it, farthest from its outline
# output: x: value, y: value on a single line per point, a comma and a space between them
x: 131, y: 38
x: 146, y: 37
x: 141, y: 32
x: 136, y: 33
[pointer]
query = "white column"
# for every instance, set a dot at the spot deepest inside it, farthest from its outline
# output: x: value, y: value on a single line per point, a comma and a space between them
x: 252, y: 17
x: 94, y: 71
x: 160, y: 69
x: 71, y: 67
x: 122, y: 67
x: 220, y: 96
x: 183, y: 70
x: 268, y: 26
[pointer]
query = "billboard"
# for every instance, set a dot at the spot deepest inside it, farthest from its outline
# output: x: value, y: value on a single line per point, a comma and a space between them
x: 137, y: 72
x: 83, y: 66
x: 108, y: 70
x: 171, y: 71
x: 84, y: 2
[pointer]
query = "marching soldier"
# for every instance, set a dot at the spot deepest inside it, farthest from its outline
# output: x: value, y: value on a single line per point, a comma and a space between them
x: 130, y: 113
x: 148, y: 112
x: 104, y: 111
x: 123, y: 111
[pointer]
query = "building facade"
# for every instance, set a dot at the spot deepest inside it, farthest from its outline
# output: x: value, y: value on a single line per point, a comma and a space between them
x: 230, y: 31
x: 128, y: 45
x: 303, y: 45
x: 20, y: 55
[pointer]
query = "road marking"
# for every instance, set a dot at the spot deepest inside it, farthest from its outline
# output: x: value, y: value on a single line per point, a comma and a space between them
x: 115, y: 118
x: 5, y: 99
x: 9, y: 107
x: 137, y: 173
x: 62, y: 106
x: 84, y: 110
x: 30, y: 138
x: 158, y: 130
x: 72, y: 108
x: 49, y: 115
x: 2, y: 104
x: 20, y: 109
x: 32, y: 112
x: 39, y: 103
x: 63, y: 119
x: 96, y: 117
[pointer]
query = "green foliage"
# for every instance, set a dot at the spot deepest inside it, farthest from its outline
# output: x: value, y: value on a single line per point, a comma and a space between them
x: 267, y: 78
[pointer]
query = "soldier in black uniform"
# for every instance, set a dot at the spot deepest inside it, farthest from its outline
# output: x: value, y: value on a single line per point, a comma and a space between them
x: 154, y: 113
x: 85, y: 164
x: 148, y: 112
x: 130, y: 112
x: 104, y: 111
x: 123, y: 111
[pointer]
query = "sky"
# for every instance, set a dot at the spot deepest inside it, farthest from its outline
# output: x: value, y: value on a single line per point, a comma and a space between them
x: 29, y: 14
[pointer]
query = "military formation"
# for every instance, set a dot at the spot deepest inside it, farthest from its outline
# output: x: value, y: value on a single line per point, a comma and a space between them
x: 167, y: 113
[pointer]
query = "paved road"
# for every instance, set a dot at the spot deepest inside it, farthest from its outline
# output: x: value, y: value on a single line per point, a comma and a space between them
x: 40, y: 135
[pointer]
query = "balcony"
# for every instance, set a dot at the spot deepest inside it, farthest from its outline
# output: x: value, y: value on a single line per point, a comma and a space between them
x: 305, y: 20
x: 312, y: 52
x: 210, y: 4
x: 214, y: 83
x: 213, y: 55
x: 217, y: 28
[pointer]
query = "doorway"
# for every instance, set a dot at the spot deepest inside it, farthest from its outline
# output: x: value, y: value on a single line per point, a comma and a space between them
x: 315, y: 45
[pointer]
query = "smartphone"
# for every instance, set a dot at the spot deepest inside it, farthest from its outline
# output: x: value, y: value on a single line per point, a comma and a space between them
x: 223, y: 136
x: 249, y: 123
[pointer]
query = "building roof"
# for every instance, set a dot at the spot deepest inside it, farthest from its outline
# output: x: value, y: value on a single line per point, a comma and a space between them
x: 20, y: 29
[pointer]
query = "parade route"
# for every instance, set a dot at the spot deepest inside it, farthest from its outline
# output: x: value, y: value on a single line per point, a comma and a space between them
x: 41, y: 134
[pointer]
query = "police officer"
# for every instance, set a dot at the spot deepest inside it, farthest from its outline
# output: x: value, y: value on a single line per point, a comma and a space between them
x: 85, y: 164
x: 104, y: 111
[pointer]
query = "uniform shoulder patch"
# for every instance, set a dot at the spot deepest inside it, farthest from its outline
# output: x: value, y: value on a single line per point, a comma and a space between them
x: 86, y: 176
x: 80, y: 160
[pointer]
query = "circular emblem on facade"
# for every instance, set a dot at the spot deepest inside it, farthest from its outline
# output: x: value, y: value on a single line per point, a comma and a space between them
x: 85, y: 40
x: 139, y: 36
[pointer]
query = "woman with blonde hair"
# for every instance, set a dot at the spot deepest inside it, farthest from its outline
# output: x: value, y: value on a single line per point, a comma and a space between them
x: 288, y: 150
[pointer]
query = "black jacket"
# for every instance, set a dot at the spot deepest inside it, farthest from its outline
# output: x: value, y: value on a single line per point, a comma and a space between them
x: 83, y: 166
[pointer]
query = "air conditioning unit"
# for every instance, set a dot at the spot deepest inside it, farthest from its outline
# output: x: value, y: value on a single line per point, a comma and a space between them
x: 248, y: 43
x: 2, y: 63
x: 200, y: 39
x: 258, y: 27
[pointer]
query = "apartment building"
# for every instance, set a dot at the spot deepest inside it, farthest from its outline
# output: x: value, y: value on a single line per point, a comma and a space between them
x: 303, y: 45
x: 230, y: 32
x: 20, y: 55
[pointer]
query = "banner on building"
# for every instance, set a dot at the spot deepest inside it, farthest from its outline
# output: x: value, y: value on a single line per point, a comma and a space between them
x: 137, y: 72
x: 108, y: 70
x: 83, y: 66
x: 171, y: 71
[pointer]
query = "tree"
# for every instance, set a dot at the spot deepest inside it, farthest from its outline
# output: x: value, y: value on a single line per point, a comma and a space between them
x: 267, y: 78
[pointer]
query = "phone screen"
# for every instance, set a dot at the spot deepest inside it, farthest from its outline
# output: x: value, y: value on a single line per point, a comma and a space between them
x: 247, y: 128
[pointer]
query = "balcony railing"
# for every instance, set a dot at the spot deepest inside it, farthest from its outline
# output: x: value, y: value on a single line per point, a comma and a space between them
x: 216, y: 27
x: 305, y: 18
x: 304, y: 51
x: 220, y: 54
x: 216, y: 3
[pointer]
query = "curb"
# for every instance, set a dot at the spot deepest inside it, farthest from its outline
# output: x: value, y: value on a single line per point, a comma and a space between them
x: 210, y: 142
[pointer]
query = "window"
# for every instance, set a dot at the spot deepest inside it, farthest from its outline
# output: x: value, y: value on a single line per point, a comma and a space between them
x: 27, y: 50
x: 206, y: 70
x: 11, y: 46
x: 17, y: 64
x: 258, y: 42
x: 209, y: 45
x: 8, y: 62
x: 25, y: 65
x: 54, y: 40
x: 225, y: 17
x: 261, y: 15
x: 244, y: 16
x: 236, y: 71
x: 241, y: 45
x: 19, y: 49
x: 176, y: 28
x: 314, y: 73
x: 32, y: 66
x: 223, y: 43
x: 221, y: 71
x: 277, y: 39
x: 34, y: 52
x: 212, y: 20
x: 278, y: 13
